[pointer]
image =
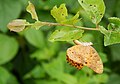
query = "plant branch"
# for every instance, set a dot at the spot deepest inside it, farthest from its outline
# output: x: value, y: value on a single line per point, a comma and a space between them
x: 58, y: 24
x: 67, y: 25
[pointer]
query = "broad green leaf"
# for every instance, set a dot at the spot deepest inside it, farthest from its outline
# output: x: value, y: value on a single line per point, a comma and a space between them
x: 10, y: 9
x: 110, y: 37
x: 31, y: 9
x: 66, y: 34
x: 94, y: 8
x: 114, y: 20
x: 8, y: 48
x: 6, y: 77
x: 17, y: 25
x: 60, y: 13
x: 35, y: 38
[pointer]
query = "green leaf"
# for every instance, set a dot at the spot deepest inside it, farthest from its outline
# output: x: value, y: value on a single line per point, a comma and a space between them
x: 67, y: 78
x: 35, y: 38
x: 66, y: 34
x: 17, y: 25
x: 31, y: 9
x: 46, y: 53
x: 54, y: 67
x: 8, y: 48
x: 94, y: 8
x: 60, y: 13
x: 36, y: 72
x: 72, y: 20
x: 87, y: 37
x: 114, y: 20
x: 110, y: 37
x: 10, y: 9
x: 55, y: 70
x: 6, y: 77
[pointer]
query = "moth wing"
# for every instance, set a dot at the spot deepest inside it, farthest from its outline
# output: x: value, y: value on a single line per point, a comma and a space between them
x: 75, y: 56
x: 93, y: 60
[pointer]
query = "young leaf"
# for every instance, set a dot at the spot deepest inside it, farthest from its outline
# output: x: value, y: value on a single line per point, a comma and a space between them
x: 17, y: 25
x: 114, y: 20
x: 31, y: 9
x: 110, y: 37
x: 94, y: 8
x: 72, y: 20
x: 66, y: 34
x: 60, y: 13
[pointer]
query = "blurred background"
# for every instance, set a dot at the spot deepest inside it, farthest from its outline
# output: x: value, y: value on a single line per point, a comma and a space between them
x: 29, y: 58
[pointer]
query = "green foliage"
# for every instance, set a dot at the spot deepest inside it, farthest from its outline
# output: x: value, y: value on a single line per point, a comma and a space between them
x: 59, y: 13
x: 110, y: 37
x: 66, y: 34
x: 95, y: 9
x: 8, y: 48
x: 35, y: 38
x: 56, y: 67
x: 39, y: 61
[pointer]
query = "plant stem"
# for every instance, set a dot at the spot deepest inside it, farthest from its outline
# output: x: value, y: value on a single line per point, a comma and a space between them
x: 67, y: 25
x: 59, y: 24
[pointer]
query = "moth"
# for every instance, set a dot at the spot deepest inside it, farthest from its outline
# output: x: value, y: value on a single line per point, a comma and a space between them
x: 83, y: 54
